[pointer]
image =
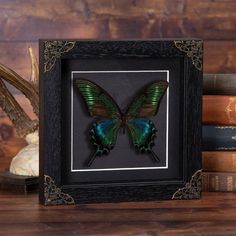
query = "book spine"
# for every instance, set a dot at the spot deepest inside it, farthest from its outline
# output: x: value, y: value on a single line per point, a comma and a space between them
x: 219, y: 110
x: 219, y: 84
x: 218, y: 182
x: 218, y: 138
x: 219, y: 161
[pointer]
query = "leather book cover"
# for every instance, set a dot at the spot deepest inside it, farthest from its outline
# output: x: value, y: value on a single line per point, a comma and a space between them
x: 219, y: 110
x: 223, y: 161
x: 218, y: 138
x: 219, y: 84
x: 218, y: 182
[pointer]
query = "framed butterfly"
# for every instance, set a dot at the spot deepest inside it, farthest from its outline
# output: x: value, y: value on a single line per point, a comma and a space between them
x: 110, y: 119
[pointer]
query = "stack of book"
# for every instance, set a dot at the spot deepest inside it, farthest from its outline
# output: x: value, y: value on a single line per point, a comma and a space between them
x: 219, y: 133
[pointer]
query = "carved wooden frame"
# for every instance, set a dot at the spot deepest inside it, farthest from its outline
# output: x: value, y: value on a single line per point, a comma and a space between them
x: 52, y: 192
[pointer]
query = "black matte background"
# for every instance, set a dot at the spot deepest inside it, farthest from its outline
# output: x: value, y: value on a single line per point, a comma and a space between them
x: 122, y: 87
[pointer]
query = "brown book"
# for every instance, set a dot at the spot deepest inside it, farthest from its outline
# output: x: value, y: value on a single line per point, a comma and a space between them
x: 219, y: 110
x: 223, y: 161
x: 220, y: 84
x: 218, y: 182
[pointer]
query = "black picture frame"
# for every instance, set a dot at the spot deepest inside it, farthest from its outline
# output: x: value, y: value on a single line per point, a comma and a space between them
x: 58, y: 58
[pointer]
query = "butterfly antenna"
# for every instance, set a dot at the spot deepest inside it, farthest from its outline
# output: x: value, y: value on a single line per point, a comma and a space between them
x: 155, y: 157
x: 91, y: 159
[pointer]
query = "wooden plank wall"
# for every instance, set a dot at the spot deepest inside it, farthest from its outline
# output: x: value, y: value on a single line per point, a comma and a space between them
x: 22, y: 23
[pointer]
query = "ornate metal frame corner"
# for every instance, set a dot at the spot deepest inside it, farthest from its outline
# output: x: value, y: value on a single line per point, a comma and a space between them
x: 193, y: 49
x: 53, y: 195
x: 192, y: 189
x: 53, y: 50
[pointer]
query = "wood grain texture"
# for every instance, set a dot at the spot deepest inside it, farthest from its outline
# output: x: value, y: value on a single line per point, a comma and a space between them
x: 117, y: 19
x: 220, y: 57
x: 214, y: 214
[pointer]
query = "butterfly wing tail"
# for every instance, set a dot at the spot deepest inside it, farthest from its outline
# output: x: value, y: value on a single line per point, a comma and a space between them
x: 91, y: 159
x: 143, y: 133
x: 154, y: 156
x: 103, y: 135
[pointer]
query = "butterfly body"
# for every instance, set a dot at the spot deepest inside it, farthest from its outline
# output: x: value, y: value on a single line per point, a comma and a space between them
x: 123, y: 122
x: 110, y: 119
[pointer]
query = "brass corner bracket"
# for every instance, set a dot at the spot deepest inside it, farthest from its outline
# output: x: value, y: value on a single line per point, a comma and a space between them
x: 193, y: 49
x: 53, y: 195
x: 53, y: 50
x: 192, y: 189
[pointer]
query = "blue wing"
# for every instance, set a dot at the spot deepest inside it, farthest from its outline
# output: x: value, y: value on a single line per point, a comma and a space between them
x: 143, y: 133
x: 104, y: 135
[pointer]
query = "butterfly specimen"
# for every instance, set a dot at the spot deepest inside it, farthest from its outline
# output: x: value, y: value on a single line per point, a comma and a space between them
x: 110, y: 118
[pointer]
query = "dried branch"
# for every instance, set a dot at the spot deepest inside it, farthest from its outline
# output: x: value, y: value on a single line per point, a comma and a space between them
x: 23, y: 124
x: 34, y: 69
x: 28, y: 89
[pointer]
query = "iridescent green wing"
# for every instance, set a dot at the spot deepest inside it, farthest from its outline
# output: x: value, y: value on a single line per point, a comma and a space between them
x: 143, y: 130
x: 147, y: 103
x: 100, y: 105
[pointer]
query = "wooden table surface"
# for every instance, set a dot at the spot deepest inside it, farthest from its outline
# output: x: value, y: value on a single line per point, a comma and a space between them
x: 214, y: 214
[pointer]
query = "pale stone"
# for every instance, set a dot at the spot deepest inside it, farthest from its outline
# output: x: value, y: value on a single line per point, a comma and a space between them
x: 26, y: 162
x: 32, y: 138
